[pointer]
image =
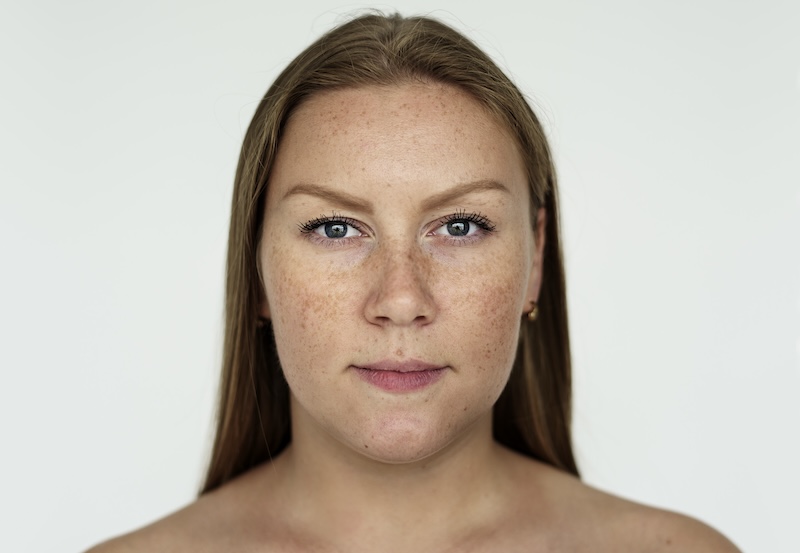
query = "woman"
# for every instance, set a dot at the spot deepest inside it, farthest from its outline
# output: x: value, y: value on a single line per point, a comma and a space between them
x: 396, y: 373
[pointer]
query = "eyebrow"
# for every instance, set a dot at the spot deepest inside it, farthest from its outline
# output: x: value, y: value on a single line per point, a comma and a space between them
x: 462, y: 189
x: 349, y: 201
x: 342, y: 199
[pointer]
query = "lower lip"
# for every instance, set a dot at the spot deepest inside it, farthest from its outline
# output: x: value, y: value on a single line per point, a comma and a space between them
x: 395, y: 381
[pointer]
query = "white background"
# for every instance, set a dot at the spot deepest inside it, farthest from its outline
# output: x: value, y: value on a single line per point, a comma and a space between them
x: 676, y: 127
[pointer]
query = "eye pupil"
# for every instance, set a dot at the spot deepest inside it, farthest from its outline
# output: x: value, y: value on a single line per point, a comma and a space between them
x: 335, y: 229
x: 458, y: 228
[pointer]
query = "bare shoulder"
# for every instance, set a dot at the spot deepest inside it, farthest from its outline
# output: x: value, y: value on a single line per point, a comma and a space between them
x: 669, y: 531
x: 180, y: 531
x: 607, y: 522
x: 130, y: 543
x: 217, y: 521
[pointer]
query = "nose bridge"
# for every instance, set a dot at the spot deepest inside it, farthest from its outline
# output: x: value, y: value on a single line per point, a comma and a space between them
x: 401, y: 294
x: 404, y: 261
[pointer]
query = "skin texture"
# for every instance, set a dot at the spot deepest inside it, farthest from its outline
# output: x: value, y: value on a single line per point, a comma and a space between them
x: 401, y: 287
x: 376, y: 470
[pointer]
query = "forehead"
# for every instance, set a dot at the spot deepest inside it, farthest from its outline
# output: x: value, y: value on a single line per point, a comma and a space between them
x: 412, y: 99
x: 412, y: 133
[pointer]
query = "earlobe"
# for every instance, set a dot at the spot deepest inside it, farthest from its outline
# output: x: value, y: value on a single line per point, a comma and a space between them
x: 535, y: 280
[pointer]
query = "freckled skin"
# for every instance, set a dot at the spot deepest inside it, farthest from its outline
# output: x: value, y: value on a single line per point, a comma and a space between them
x: 398, y: 290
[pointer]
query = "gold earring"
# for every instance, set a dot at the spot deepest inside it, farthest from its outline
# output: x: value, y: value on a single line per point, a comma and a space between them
x: 534, y: 312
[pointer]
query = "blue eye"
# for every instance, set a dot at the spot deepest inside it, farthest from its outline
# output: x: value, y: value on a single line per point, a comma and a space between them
x: 331, y: 228
x: 459, y: 227
x: 336, y: 229
x: 464, y: 225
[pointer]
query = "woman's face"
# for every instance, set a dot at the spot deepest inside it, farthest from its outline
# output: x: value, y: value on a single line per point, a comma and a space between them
x: 397, y: 257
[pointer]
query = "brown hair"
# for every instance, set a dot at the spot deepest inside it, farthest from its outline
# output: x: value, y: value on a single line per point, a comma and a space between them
x: 532, y: 415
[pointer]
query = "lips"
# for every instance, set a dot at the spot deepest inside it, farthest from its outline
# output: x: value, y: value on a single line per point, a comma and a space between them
x: 400, y: 376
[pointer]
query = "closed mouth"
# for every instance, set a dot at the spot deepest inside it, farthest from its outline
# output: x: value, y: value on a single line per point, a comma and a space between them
x: 403, y: 377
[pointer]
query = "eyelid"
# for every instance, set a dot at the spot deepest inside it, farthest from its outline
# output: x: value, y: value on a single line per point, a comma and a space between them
x: 483, y: 224
x: 473, y: 217
x: 310, y: 230
x: 314, y: 224
x: 482, y: 228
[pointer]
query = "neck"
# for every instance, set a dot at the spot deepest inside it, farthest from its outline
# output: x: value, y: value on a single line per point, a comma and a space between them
x: 341, y: 492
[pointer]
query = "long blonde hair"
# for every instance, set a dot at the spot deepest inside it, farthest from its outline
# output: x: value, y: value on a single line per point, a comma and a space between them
x: 532, y: 415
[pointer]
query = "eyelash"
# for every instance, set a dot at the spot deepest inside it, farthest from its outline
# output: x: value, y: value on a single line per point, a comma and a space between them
x: 309, y: 228
x: 461, y: 215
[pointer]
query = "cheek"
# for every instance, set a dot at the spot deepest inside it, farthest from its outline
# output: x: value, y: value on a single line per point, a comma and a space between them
x: 309, y: 310
x: 497, y: 332
x: 318, y: 310
x: 291, y: 295
x: 484, y: 315
x: 302, y: 304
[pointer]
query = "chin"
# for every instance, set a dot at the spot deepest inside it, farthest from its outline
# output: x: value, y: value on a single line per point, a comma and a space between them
x: 403, y: 441
x: 399, y: 453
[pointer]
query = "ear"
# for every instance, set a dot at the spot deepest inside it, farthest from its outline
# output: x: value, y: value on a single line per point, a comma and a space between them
x: 535, y: 280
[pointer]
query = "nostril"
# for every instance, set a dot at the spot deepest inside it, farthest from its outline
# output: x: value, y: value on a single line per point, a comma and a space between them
x: 401, y: 295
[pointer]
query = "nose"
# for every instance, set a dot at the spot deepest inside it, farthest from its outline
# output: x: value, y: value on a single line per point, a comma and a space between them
x: 400, y: 291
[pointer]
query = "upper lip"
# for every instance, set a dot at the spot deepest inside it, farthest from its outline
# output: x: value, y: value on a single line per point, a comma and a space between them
x: 410, y: 365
